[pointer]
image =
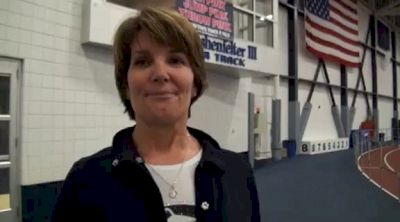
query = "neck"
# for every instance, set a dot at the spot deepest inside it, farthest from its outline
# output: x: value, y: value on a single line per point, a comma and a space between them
x: 162, y: 143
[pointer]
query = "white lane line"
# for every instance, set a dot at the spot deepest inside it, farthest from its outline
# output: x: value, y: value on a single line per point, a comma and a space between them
x: 370, y: 179
x: 387, y: 163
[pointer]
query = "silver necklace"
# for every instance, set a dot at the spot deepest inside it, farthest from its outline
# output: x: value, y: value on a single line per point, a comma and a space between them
x: 172, y: 193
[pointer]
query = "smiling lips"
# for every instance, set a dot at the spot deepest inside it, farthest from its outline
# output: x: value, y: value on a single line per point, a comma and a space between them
x: 160, y: 94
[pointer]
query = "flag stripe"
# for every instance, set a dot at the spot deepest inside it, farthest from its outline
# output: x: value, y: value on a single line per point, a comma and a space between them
x: 343, y: 21
x: 332, y: 38
x: 346, y: 6
x: 330, y: 51
x: 331, y: 44
x: 333, y: 58
x: 347, y: 29
x: 323, y: 24
x: 339, y: 12
x: 343, y: 10
x: 331, y: 32
x: 351, y: 3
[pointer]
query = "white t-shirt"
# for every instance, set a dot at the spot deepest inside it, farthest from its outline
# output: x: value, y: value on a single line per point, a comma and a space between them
x: 181, y: 208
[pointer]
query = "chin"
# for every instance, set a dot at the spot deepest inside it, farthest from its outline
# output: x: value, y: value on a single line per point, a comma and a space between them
x: 162, y: 122
x: 164, y: 119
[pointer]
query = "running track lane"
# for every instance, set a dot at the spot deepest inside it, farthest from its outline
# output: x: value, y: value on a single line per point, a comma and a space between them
x: 378, y: 172
x: 392, y: 160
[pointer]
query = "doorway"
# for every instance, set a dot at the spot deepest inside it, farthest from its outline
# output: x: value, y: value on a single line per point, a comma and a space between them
x: 9, y: 122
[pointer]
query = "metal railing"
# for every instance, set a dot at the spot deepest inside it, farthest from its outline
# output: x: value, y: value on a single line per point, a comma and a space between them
x: 377, y: 155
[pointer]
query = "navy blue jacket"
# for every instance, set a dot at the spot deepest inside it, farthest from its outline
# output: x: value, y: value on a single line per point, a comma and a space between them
x: 115, y: 185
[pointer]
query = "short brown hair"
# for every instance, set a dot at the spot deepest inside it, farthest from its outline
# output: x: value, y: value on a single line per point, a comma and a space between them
x: 167, y: 27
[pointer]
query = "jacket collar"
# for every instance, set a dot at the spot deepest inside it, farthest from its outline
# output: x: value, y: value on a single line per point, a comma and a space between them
x: 124, y: 149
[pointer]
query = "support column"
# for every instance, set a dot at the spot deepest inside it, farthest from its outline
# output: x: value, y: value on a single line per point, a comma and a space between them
x: 293, y: 106
x: 250, y: 129
x: 395, y: 118
x: 375, y: 111
x: 276, y: 122
x: 344, y: 108
x: 276, y: 130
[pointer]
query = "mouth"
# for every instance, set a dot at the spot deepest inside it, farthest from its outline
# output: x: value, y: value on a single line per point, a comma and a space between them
x: 161, y: 95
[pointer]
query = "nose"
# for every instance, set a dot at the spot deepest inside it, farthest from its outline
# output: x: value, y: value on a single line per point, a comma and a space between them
x: 160, y: 72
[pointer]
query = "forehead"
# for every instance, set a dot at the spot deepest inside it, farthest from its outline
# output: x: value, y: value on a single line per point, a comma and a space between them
x: 146, y: 41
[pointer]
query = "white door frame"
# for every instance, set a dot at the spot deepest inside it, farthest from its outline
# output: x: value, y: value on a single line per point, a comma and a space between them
x: 11, y: 68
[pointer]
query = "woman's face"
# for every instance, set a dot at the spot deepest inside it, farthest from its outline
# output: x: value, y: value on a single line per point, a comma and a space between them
x: 160, y: 82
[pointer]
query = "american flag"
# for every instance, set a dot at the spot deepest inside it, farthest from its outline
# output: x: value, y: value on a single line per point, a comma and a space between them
x: 331, y: 28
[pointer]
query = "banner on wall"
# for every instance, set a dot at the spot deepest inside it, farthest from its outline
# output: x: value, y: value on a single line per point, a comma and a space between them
x: 331, y: 29
x: 210, y: 17
x: 227, y: 52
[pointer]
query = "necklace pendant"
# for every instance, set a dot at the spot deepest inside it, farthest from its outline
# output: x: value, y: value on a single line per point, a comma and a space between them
x: 173, y: 193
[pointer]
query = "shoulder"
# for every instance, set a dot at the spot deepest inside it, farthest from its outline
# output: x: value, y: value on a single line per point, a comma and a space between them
x: 93, y: 165
x: 236, y: 163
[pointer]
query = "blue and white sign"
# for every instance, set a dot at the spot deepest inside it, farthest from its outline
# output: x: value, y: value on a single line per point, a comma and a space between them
x: 228, y: 52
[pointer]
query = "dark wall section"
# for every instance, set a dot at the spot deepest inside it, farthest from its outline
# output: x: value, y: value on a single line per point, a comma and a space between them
x: 38, y: 201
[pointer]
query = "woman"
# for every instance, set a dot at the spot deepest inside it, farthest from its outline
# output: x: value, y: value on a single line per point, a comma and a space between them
x: 160, y: 169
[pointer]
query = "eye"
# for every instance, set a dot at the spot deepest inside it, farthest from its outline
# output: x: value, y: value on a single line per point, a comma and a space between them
x: 141, y: 62
x: 177, y: 60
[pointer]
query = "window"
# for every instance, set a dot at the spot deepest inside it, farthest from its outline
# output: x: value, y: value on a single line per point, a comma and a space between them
x: 253, y: 20
x: 4, y: 114
x: 264, y: 7
x: 247, y: 4
x: 264, y: 31
x: 8, y: 135
x: 4, y: 95
x: 300, y: 5
x: 243, y: 25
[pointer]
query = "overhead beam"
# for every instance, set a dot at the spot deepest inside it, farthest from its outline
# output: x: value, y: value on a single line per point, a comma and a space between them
x: 390, y: 12
x: 391, y: 8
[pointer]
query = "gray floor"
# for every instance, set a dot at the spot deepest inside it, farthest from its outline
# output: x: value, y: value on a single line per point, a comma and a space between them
x: 325, y: 187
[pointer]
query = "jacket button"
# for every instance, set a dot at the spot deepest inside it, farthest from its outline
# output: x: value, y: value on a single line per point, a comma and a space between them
x: 205, y: 205
x: 115, y: 162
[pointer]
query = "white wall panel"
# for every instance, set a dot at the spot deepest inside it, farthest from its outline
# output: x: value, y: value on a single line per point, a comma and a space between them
x: 384, y: 75
x: 385, y: 107
x: 361, y: 109
x: 352, y: 75
x: 321, y: 124
x: 222, y: 111
x: 367, y: 73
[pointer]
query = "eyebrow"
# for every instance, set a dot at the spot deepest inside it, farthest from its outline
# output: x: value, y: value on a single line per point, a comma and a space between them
x: 144, y: 51
x: 140, y: 52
